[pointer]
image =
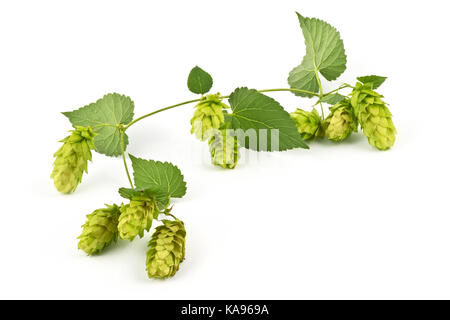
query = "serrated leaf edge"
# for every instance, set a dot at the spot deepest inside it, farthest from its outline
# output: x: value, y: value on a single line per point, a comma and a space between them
x: 304, y: 145
x: 163, y: 163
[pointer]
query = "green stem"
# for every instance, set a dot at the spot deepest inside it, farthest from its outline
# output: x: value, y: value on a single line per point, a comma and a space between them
x: 171, y: 215
x: 321, y: 92
x: 346, y: 85
x: 158, y: 111
x: 291, y: 90
x: 122, y: 146
x: 321, y: 110
x: 222, y: 97
x: 336, y: 90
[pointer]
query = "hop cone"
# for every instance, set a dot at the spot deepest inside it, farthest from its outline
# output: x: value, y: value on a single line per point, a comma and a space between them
x: 136, y: 218
x: 71, y: 159
x: 100, y: 230
x: 224, y: 149
x: 166, y: 252
x: 208, y: 116
x: 374, y: 117
x: 341, y: 122
x: 309, y: 124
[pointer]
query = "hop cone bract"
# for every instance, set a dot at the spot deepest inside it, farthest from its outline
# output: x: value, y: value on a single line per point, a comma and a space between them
x: 374, y: 117
x: 208, y: 116
x: 309, y: 124
x: 224, y: 149
x: 341, y: 122
x: 167, y: 249
x: 71, y: 159
x: 136, y: 218
x: 100, y: 230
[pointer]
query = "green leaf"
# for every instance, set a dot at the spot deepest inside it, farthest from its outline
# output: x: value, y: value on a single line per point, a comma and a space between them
x: 155, y: 174
x: 376, y: 81
x: 104, y: 116
x: 153, y: 192
x: 129, y: 193
x: 333, y: 98
x: 325, y: 54
x: 254, y: 110
x: 199, y: 81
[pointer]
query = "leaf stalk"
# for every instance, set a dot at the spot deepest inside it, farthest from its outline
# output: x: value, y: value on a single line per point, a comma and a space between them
x: 122, y: 147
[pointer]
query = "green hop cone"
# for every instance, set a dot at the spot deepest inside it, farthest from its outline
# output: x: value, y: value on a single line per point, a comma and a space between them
x: 341, y: 122
x: 208, y: 116
x: 167, y: 249
x: 71, y: 159
x: 374, y: 117
x: 309, y: 124
x: 100, y: 230
x: 137, y: 217
x: 224, y: 149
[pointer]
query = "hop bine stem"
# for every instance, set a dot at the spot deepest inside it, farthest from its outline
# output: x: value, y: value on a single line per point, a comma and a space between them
x: 158, y: 111
x: 122, y: 147
x: 222, y: 97
x: 345, y: 85
x: 320, y: 90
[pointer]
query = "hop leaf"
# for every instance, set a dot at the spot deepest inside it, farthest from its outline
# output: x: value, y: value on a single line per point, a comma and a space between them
x: 137, y: 217
x: 376, y: 81
x: 166, y: 249
x: 164, y: 178
x: 100, y: 230
x: 374, y: 117
x: 309, y: 124
x: 325, y: 54
x: 105, y: 116
x: 71, y: 159
x: 208, y: 116
x: 341, y: 122
x: 224, y: 149
x: 199, y: 81
x: 332, y: 99
x: 258, y: 113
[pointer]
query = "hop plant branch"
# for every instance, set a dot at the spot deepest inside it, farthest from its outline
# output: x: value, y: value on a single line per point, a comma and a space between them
x: 221, y: 97
x: 160, y: 110
x: 345, y: 85
x: 102, y: 126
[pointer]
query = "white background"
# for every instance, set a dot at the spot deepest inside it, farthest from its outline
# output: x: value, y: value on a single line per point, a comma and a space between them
x: 337, y: 221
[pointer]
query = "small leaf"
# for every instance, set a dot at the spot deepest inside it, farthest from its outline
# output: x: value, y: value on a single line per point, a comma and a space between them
x: 333, y: 98
x: 155, y: 174
x: 254, y: 110
x: 199, y: 81
x: 325, y: 53
x: 128, y: 193
x: 376, y: 81
x: 104, y: 116
x: 154, y: 192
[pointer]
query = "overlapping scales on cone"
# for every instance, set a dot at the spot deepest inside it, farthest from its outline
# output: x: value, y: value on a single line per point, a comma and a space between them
x: 224, y: 149
x: 71, y: 159
x: 208, y: 116
x: 100, y: 230
x: 166, y: 249
x: 374, y: 116
x: 341, y: 122
x: 136, y: 217
x: 309, y: 124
